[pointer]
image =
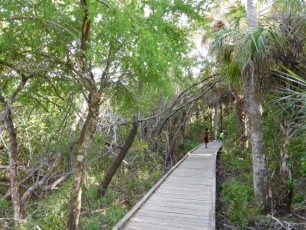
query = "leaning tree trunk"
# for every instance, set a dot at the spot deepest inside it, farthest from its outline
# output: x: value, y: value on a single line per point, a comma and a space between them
x: 172, y: 153
x: 116, y: 164
x: 87, y: 132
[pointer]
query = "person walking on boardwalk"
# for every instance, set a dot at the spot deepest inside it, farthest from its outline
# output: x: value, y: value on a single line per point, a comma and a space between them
x: 206, y: 137
x: 221, y: 137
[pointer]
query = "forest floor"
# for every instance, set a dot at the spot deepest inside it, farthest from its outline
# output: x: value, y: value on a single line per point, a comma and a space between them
x: 295, y: 220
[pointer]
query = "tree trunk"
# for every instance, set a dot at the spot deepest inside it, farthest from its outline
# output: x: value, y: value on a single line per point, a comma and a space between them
x: 172, y: 153
x: 87, y: 132
x: 260, y: 172
x: 216, y: 105
x: 252, y: 90
x: 13, y: 156
x: 242, y: 115
x: 252, y: 18
x: 286, y: 170
x: 171, y: 143
x: 211, y: 119
x: 13, y: 146
x: 221, y: 116
x: 76, y: 123
x: 89, y: 126
x: 112, y: 170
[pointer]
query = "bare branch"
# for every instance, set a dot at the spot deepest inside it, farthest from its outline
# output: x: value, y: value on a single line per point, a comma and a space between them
x: 58, y: 181
x: 175, y: 102
x: 39, y: 183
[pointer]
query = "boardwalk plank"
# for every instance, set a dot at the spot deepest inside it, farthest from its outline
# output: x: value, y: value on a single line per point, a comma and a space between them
x: 178, y: 205
x: 172, y: 216
x: 184, y: 216
x: 179, y: 201
x: 176, y: 210
x: 146, y: 226
x: 168, y: 223
x: 177, y: 196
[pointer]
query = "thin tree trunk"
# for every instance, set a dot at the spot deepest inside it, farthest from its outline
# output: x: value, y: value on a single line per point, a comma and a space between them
x: 76, y: 123
x: 13, y: 146
x: 242, y: 115
x: 87, y: 132
x: 172, y: 149
x: 211, y: 118
x: 221, y: 116
x: 286, y: 170
x: 13, y: 157
x: 216, y: 105
x: 171, y: 144
x: 89, y: 126
x: 116, y: 164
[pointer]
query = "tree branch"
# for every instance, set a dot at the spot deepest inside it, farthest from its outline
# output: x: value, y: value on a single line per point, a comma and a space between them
x: 71, y: 32
x: 104, y: 3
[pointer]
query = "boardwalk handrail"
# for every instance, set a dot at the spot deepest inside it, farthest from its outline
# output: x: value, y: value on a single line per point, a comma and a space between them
x: 138, y: 205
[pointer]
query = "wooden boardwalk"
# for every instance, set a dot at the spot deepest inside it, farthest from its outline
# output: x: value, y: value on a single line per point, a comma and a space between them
x: 184, y: 198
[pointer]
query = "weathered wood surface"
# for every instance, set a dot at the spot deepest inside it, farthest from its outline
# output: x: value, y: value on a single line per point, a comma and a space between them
x: 183, y: 199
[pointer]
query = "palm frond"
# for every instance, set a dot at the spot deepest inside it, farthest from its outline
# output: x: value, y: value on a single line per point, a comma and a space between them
x: 292, y: 77
x: 290, y: 99
x: 226, y: 36
x: 236, y: 14
x: 259, y: 43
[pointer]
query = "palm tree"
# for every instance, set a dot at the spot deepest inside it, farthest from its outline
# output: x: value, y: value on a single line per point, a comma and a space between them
x: 255, y: 52
x: 252, y: 89
x: 246, y: 54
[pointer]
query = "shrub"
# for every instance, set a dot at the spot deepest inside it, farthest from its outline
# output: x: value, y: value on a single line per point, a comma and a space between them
x: 240, y: 201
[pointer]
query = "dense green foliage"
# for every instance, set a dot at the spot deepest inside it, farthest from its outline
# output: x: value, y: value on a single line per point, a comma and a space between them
x: 137, y: 57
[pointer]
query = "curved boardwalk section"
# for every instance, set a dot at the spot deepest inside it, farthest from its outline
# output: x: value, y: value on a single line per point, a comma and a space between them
x: 183, y: 199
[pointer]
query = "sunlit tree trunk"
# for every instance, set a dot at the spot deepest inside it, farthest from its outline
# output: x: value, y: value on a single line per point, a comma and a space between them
x: 260, y: 172
x: 252, y: 17
x: 88, y: 128
x: 79, y: 117
x: 85, y: 139
x: 254, y: 104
